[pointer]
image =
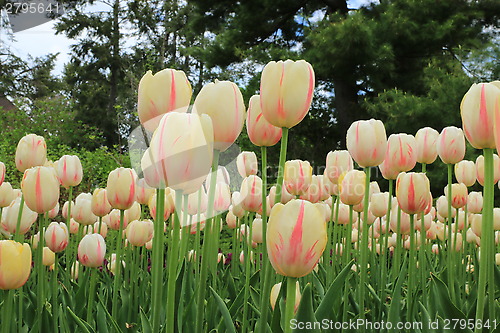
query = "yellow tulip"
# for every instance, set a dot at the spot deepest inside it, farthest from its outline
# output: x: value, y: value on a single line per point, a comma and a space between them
x: 40, y: 187
x: 15, y: 264
x: 99, y: 204
x: 139, y: 232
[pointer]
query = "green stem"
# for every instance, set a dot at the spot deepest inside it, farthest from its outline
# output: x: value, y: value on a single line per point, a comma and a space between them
x: 397, y: 251
x: 7, y: 311
x: 364, y: 246
x: 450, y: 257
x: 281, y: 167
x: 68, y: 255
x: 55, y: 303
x: 206, y: 246
x: 384, y: 248
x: 247, y: 241
x: 17, y: 235
x: 118, y: 266
x: 411, y: 270
x: 157, y: 262
x: 91, y: 297
x: 40, y: 271
x: 173, y: 263
x: 289, y: 303
x: 487, y: 242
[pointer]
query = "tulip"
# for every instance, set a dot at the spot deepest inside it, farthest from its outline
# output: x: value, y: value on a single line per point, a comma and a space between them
x: 260, y: 131
x: 113, y: 220
x: 193, y: 224
x: 247, y: 164
x: 2, y: 172
x: 285, y: 196
x: 236, y: 207
x: 40, y: 188
x: 426, y: 139
x: 286, y: 90
x: 275, y: 292
x: 343, y: 214
x: 182, y: 149
x: 257, y: 231
x: 478, y: 110
x: 73, y: 226
x: 82, y: 210
x: 168, y: 206
x: 57, y: 237
x: 222, y: 177
x: 143, y: 192
x: 222, y: 197
x: 223, y: 102
x: 134, y: 212
x: 367, y: 142
x: 297, y: 176
x: 480, y: 169
x: 337, y: 163
x: 64, y: 211
x: 465, y: 172
x: 150, y: 170
x: 100, y: 228
x: 100, y: 205
x: 6, y: 194
x: 49, y: 257
x: 459, y: 195
x: 401, y: 152
x: 69, y: 170
x: 296, y: 237
x: 53, y: 212
x: 31, y: 151
x: 451, y: 145
x: 250, y: 193
x: 15, y: 264
x: 139, y: 232
x: 120, y: 188
x: 28, y: 217
x: 379, y: 204
x: 165, y: 91
x: 193, y: 206
x: 352, y: 187
x: 91, y: 250
x: 231, y: 220
x: 475, y: 202
x: 412, y: 192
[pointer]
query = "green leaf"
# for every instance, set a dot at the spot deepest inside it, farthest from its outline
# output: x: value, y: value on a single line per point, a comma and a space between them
x: 305, y: 312
x: 80, y: 322
x: 102, y: 324
x: 146, y: 325
x: 116, y: 328
x: 334, y: 293
x: 394, y: 315
x: 225, y: 312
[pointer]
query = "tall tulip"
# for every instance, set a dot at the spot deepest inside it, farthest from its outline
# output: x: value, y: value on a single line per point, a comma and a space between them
x: 352, y: 187
x: 82, y: 211
x: 28, y: 217
x: 247, y: 164
x: 413, y: 192
x: 165, y: 91
x: 100, y: 205
x: 69, y: 170
x: 260, y: 132
x: 480, y: 169
x: 40, y: 187
x: 143, y: 191
x: 459, y: 195
x: 401, y: 152
x: 426, y: 139
x: 31, y: 151
x: 15, y: 264
x: 297, y: 176
x: 223, y: 102
x: 120, y: 188
x: 139, y: 232
x: 451, y: 145
x: 465, y: 172
x: 286, y: 90
x: 367, y: 142
x: 250, y: 193
x: 91, y: 250
x: 337, y: 163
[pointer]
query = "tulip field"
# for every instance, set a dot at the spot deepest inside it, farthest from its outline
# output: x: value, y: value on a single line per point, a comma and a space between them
x: 173, y: 245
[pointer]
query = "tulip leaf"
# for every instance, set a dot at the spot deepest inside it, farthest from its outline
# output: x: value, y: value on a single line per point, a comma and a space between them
x: 80, y: 322
x: 102, y: 324
x: 394, y: 314
x: 445, y: 306
x: 146, y: 325
x: 116, y: 328
x: 426, y: 319
x: 225, y: 312
x: 334, y: 293
x: 305, y: 312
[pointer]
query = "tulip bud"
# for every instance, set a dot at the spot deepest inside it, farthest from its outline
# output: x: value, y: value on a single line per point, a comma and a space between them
x: 337, y: 163
x: 260, y: 131
x: 459, y: 195
x: 182, y: 149
x: 275, y: 292
x: 120, y: 188
x: 475, y: 202
x: 352, y: 187
x: 451, y: 145
x: 134, y: 212
x: 465, y: 172
x: 140, y: 232
x: 367, y: 142
x: 6, y: 194
x: 15, y: 264
x: 223, y: 102
x: 165, y: 91
x: 296, y: 237
x: 91, y: 250
x: 69, y: 170
x: 143, y: 192
x: 99, y: 204
x: 247, y: 163
x: 251, y: 193
x: 412, y: 192
x: 426, y: 139
x: 49, y: 257
x: 478, y: 111
x: 40, y: 188
x: 57, y: 236
x: 286, y: 90
x: 31, y: 151
x: 28, y: 217
x: 297, y: 176
x: 480, y: 169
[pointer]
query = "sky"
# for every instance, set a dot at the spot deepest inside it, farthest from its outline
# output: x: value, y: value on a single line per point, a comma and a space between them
x: 42, y: 39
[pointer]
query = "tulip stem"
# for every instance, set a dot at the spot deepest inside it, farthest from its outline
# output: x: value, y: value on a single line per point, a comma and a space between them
x: 7, y: 311
x: 384, y: 249
x: 364, y: 246
x: 266, y: 267
x: 206, y: 246
x: 118, y: 264
x: 281, y: 167
x: 487, y: 243
x: 397, y: 251
x: 40, y: 271
x: 93, y: 281
x: 247, y: 241
x: 55, y: 302
x: 196, y: 247
x: 411, y: 270
x: 289, y: 303
x: 17, y: 235
x: 450, y: 256
x: 157, y: 263
x: 68, y: 253
x: 173, y: 262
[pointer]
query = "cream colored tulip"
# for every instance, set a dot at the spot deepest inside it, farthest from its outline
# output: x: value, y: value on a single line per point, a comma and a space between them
x: 367, y: 142
x: 31, y: 151
x: 40, y: 187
